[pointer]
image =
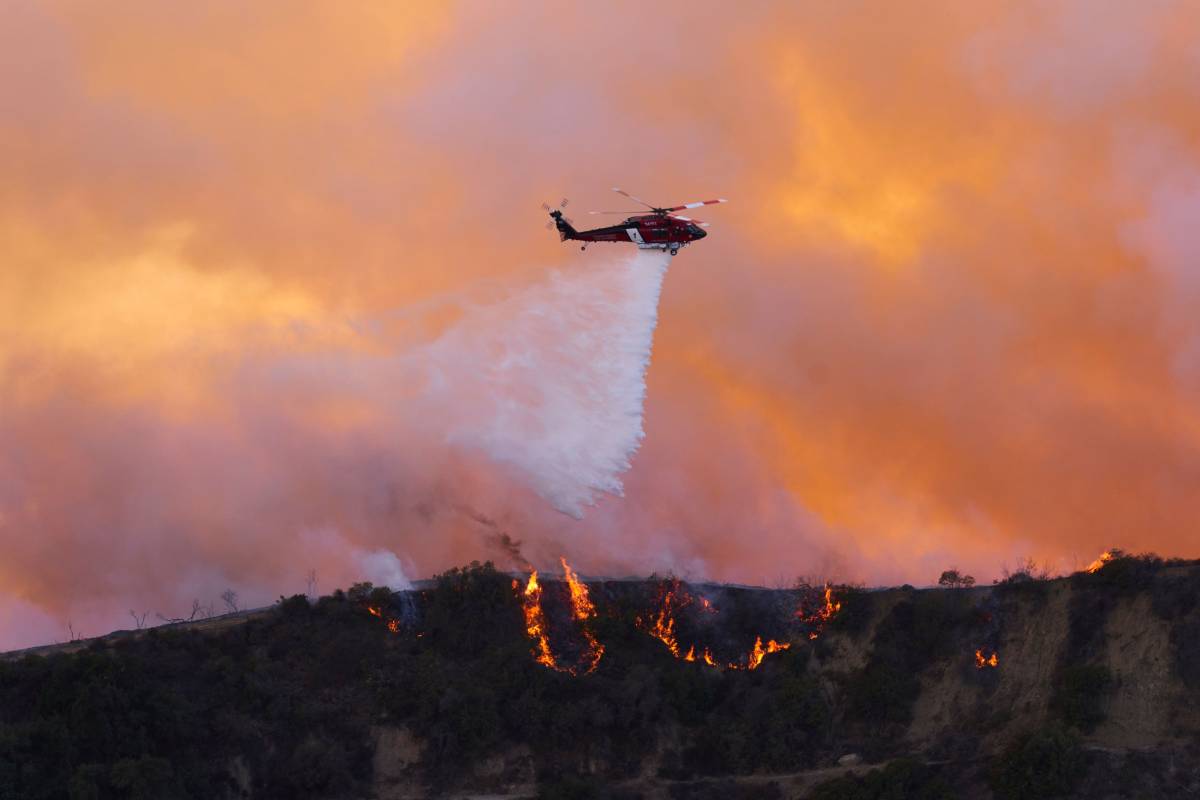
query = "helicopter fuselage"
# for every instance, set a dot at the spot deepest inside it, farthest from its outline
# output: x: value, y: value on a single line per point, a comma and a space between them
x: 647, y: 231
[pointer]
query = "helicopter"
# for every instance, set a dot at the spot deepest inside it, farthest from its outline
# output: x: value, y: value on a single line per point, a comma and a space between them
x: 660, y: 229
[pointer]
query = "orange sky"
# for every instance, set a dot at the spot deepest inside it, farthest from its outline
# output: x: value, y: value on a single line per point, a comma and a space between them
x: 946, y: 319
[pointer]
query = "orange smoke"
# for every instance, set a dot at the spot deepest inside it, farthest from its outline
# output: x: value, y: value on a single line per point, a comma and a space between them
x: 952, y: 296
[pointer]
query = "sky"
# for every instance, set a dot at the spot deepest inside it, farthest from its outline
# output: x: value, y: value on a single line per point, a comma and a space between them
x: 259, y: 262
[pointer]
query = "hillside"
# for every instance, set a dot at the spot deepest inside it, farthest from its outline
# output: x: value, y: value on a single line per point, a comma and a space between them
x: 483, y: 684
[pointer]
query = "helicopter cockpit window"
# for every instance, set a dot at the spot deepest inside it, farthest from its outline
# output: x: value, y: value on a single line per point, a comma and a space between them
x: 694, y: 230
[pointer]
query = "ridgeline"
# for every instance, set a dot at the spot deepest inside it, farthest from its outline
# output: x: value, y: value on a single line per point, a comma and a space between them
x: 480, y: 684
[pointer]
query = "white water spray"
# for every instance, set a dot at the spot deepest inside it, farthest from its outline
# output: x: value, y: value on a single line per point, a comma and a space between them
x: 550, y: 380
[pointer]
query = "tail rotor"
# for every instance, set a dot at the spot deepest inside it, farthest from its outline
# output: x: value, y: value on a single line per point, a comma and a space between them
x: 556, y: 212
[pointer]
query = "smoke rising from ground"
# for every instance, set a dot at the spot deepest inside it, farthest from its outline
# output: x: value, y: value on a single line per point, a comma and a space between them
x: 946, y: 320
x: 539, y: 386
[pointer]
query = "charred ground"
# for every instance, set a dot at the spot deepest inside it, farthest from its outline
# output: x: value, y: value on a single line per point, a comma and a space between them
x: 1085, y: 686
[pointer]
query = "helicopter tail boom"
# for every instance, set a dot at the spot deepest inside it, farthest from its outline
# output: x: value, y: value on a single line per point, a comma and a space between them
x: 565, y: 229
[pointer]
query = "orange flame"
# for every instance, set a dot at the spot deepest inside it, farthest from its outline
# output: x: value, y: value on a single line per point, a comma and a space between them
x: 535, y: 623
x: 584, y: 610
x: 991, y: 661
x: 393, y: 624
x: 821, y: 616
x: 536, y: 627
x: 1098, y: 564
x: 662, y: 627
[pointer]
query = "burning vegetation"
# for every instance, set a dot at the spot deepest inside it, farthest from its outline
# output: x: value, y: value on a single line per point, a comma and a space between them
x: 537, y: 627
x: 816, y: 609
x: 580, y: 651
x: 671, y: 600
x: 982, y: 661
x: 1105, y: 557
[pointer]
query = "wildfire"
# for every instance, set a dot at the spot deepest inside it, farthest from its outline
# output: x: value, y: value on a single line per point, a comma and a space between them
x: 537, y: 629
x: 1105, y: 557
x: 821, y: 615
x: 759, y: 652
x: 584, y: 610
x: 989, y: 661
x: 393, y: 624
x: 662, y: 627
x: 535, y: 623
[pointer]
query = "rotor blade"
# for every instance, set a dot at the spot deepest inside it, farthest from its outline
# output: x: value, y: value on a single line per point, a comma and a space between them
x: 692, y: 220
x: 549, y: 225
x: 563, y: 204
x: 545, y: 206
x: 697, y: 205
x: 616, y: 212
x: 631, y: 197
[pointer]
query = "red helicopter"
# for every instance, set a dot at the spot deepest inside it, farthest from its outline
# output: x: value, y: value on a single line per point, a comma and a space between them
x: 659, y: 230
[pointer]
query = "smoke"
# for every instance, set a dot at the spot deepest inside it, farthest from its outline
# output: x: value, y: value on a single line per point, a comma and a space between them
x: 547, y: 380
x: 354, y: 454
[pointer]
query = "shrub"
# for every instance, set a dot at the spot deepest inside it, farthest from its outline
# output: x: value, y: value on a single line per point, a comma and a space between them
x: 855, y: 613
x: 1122, y: 574
x: 902, y: 778
x: 1174, y: 598
x: 1080, y: 694
x: 1185, y: 638
x: 1038, y: 766
x: 953, y: 579
x: 882, y: 692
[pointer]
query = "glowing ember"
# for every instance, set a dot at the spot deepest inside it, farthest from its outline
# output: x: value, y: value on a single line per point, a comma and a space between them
x: 982, y: 661
x: 393, y: 624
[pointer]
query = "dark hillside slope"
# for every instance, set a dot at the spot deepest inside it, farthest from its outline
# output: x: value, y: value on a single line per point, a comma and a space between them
x: 1087, y: 686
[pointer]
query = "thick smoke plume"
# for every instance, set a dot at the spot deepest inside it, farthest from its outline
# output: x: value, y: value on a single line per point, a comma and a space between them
x: 466, y: 401
x: 948, y: 317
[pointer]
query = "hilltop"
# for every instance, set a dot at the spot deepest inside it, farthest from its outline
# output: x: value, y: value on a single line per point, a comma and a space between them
x: 482, y: 683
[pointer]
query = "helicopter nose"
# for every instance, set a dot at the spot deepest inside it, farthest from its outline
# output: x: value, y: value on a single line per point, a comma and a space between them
x: 701, y: 233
